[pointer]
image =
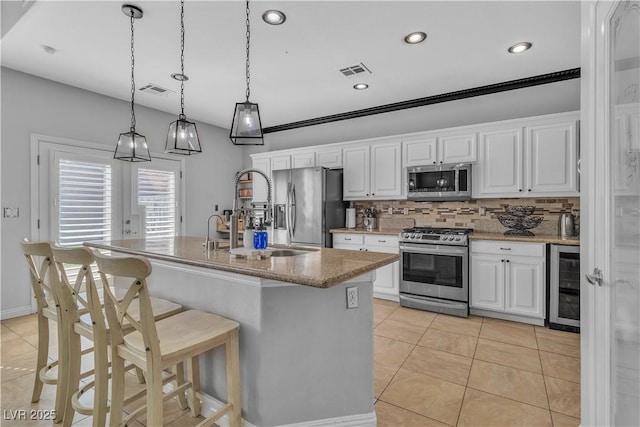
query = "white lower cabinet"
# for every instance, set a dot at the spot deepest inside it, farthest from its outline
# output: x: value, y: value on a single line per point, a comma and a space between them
x: 386, y: 283
x: 508, y: 280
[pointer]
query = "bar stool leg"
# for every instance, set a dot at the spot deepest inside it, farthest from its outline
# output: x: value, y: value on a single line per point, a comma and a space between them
x: 155, y: 399
x: 193, y: 368
x: 72, y: 358
x: 182, y: 400
x: 117, y: 390
x: 43, y: 353
x: 232, y: 354
x: 101, y: 385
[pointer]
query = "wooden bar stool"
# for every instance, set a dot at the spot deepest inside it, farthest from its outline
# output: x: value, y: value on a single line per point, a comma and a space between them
x: 40, y: 261
x: 81, y: 315
x: 155, y: 346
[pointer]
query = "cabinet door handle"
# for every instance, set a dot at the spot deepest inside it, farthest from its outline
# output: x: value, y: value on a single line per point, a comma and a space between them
x: 507, y: 260
x: 347, y: 238
x: 520, y: 189
x: 373, y: 194
x: 382, y: 241
x: 505, y: 249
x: 434, y: 163
x: 529, y: 190
x: 501, y: 260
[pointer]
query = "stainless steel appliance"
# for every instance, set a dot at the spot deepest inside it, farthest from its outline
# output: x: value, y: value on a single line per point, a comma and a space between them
x: 564, y: 288
x: 567, y: 225
x: 441, y: 182
x: 307, y: 204
x: 434, y: 269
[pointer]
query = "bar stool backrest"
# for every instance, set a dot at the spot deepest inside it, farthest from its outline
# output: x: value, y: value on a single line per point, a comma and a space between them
x: 70, y: 295
x: 136, y: 269
x: 40, y: 261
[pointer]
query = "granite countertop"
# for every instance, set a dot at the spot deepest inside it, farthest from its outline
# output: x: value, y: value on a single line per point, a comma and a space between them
x: 320, y: 268
x: 358, y: 230
x: 539, y: 238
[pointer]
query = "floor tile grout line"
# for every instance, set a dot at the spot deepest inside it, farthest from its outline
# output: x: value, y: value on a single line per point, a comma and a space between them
x: 509, y: 398
x: 414, y: 412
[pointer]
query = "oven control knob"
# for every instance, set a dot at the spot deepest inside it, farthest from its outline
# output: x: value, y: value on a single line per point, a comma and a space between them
x: 457, y: 238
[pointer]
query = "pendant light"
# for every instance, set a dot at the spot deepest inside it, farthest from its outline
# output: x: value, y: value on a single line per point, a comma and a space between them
x: 246, y: 128
x: 131, y: 146
x: 182, y: 137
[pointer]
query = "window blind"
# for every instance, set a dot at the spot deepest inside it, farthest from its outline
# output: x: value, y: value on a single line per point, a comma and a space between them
x: 157, y: 193
x: 84, y: 202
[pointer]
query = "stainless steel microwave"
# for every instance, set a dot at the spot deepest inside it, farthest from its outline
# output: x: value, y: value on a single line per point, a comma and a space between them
x: 441, y: 182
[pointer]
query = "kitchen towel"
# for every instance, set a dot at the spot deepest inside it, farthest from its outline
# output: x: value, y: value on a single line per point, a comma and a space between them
x: 351, y: 218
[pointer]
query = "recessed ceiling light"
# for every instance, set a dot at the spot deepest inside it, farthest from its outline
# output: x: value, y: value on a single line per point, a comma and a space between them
x: 520, y: 47
x: 49, y: 49
x: 274, y: 17
x: 360, y: 86
x: 416, y: 37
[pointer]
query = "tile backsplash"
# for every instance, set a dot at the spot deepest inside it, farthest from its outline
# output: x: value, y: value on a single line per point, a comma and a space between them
x: 479, y: 214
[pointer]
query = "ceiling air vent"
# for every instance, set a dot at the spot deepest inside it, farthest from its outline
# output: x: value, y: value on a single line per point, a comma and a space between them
x: 354, y: 70
x: 154, y: 89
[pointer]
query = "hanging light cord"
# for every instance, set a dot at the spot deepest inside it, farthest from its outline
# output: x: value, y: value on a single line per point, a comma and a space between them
x: 248, y: 38
x: 133, y: 83
x: 182, y: 58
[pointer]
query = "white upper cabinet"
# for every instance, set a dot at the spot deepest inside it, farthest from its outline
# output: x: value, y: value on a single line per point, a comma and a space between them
x: 259, y: 183
x: 499, y: 169
x: 532, y: 158
x: 457, y: 148
x: 329, y: 158
x: 372, y: 171
x: 356, y: 164
x: 420, y: 151
x: 552, y: 153
x: 303, y: 160
x: 281, y: 161
x: 435, y: 149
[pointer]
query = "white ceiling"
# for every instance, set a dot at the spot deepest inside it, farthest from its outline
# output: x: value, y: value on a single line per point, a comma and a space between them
x: 295, y: 66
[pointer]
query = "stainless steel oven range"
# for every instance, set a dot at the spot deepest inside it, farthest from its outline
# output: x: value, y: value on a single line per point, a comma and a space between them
x: 434, y: 269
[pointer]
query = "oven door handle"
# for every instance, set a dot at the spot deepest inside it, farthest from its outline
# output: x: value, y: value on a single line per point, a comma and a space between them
x: 435, y: 250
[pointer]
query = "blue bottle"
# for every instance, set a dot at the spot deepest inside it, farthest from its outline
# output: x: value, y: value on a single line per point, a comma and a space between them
x: 260, y: 238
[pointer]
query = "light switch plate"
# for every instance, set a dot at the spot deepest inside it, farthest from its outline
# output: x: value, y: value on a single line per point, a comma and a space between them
x: 11, y: 212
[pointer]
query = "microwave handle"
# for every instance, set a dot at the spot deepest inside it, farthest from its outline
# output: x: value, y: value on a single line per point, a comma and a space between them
x: 457, y: 180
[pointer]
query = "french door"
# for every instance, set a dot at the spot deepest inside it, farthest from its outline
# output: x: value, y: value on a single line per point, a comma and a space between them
x: 81, y: 193
x: 610, y: 234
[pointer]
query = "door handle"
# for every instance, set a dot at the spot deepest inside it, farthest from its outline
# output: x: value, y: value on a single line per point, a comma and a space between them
x: 595, y: 278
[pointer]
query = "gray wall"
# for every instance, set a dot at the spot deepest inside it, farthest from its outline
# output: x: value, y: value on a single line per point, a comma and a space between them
x: 34, y: 105
x: 533, y: 101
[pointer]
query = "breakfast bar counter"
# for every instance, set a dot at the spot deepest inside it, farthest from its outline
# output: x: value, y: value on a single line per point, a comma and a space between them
x: 305, y: 358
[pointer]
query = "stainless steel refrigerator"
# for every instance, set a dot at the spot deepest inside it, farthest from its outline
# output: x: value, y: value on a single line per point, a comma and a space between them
x: 307, y: 204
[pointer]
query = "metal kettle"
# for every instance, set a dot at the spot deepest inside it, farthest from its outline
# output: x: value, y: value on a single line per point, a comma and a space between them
x: 567, y: 225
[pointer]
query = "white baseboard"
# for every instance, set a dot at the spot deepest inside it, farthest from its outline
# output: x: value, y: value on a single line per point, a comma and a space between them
x: 15, y: 312
x: 211, y: 404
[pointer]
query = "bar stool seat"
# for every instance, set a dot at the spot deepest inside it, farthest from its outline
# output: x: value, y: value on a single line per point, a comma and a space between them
x: 157, y: 345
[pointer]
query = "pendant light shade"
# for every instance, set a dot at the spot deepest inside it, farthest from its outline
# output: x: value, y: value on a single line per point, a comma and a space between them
x: 182, y: 137
x: 131, y: 146
x: 246, y: 128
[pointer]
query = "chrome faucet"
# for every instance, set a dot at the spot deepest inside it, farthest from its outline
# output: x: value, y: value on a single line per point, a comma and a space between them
x: 235, y: 214
x: 208, y: 241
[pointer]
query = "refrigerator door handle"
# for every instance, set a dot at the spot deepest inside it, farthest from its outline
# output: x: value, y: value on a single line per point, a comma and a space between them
x: 288, y: 213
x: 293, y: 209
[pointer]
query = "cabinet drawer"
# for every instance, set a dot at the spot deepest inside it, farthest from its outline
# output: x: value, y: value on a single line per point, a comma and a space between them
x: 508, y: 248
x: 351, y: 239
x: 382, y: 240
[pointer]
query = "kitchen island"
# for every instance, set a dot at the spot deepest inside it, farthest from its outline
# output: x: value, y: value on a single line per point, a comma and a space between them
x: 305, y: 358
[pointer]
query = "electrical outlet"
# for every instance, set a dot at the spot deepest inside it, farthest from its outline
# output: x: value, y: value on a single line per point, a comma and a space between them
x: 11, y: 212
x: 390, y: 210
x: 482, y: 210
x: 406, y: 211
x: 352, y: 297
x: 216, y: 209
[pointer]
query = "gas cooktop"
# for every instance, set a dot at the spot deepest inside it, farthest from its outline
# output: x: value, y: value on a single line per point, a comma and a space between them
x: 435, y: 235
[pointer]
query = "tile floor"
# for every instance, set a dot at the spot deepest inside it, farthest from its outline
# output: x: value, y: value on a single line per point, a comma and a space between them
x: 430, y: 370
x: 438, y: 370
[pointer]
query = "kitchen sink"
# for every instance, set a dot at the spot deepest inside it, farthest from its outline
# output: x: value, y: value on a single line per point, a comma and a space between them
x: 287, y: 252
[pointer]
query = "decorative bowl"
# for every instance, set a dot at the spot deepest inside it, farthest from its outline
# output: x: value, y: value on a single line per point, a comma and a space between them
x: 519, y: 210
x: 508, y: 221
x: 531, y: 222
